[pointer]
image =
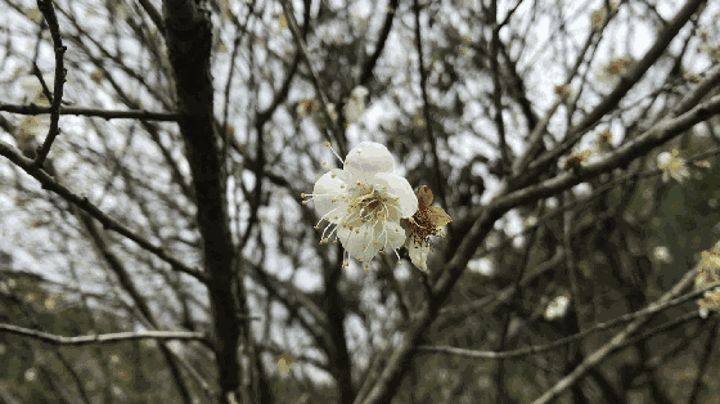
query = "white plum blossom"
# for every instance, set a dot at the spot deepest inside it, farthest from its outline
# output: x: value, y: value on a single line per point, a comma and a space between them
x: 30, y: 374
x: 355, y: 105
x: 362, y: 203
x: 672, y: 166
x: 557, y: 308
x: 662, y: 254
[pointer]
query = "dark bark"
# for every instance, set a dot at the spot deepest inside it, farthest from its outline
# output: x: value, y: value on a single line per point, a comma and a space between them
x: 188, y: 38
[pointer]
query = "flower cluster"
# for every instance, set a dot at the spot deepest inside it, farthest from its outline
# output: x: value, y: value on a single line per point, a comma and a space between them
x: 616, y: 67
x: 672, y: 166
x: 363, y: 205
x: 708, y: 275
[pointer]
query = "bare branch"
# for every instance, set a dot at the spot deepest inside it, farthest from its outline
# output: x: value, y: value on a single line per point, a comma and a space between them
x: 315, y: 77
x: 108, y: 114
x: 54, y: 339
x: 83, y: 203
x: 616, y: 342
x: 648, y: 311
x: 48, y: 11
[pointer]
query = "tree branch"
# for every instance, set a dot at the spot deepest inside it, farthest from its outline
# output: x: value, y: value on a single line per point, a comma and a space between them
x: 108, y: 114
x: 616, y: 342
x: 314, y: 76
x: 380, y: 390
x: 54, y: 339
x: 426, y: 106
x: 83, y: 203
x: 531, y: 350
x: 48, y: 11
x: 626, y: 83
x: 188, y: 36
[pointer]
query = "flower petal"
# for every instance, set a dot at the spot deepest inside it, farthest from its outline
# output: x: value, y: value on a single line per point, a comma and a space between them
x: 400, y: 188
x: 330, y: 195
x: 395, y: 236
x: 360, y: 242
x: 663, y: 160
x: 438, y: 217
x: 419, y: 254
x: 368, y: 158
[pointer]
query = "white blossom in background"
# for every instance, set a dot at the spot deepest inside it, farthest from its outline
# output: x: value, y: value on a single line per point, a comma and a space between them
x: 708, y: 275
x: 30, y: 374
x: 483, y: 266
x: 362, y: 203
x: 672, y: 166
x: 355, y: 105
x: 662, y: 254
x: 557, y: 308
x: 285, y: 362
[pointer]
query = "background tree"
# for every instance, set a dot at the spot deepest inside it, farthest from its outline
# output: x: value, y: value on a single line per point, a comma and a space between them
x: 154, y: 245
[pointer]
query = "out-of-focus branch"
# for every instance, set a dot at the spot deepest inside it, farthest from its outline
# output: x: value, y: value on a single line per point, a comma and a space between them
x: 314, y: 76
x: 108, y: 114
x: 127, y: 283
x: 48, y: 11
x: 534, y: 140
x: 83, y: 203
x: 703, y: 363
x: 264, y: 115
x: 154, y: 14
x: 531, y: 350
x: 366, y: 72
x: 616, y: 342
x: 54, y: 339
x: 379, y: 390
x: 625, y: 84
x: 655, y: 136
x: 426, y: 105
x: 497, y: 89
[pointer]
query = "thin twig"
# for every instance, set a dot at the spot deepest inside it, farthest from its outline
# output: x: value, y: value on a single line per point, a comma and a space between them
x: 48, y: 11
x: 426, y: 106
x: 497, y: 89
x: 703, y: 362
x: 314, y: 76
x: 535, y: 349
x: 371, y: 60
